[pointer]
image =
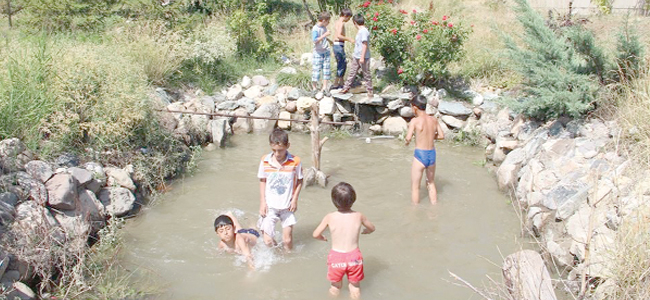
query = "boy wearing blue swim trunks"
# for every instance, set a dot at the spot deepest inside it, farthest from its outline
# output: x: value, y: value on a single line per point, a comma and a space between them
x: 426, y: 130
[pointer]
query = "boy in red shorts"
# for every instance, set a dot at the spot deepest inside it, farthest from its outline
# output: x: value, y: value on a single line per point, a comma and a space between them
x: 345, y: 225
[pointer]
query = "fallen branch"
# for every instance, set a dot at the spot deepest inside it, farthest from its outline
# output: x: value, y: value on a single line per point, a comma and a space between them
x: 469, y: 286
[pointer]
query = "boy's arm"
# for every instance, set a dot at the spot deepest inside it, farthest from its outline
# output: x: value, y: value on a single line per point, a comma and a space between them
x: 318, y: 232
x: 338, y: 30
x: 246, y: 251
x: 440, y: 135
x: 409, y: 134
x: 317, y: 39
x: 294, y: 199
x: 369, y: 227
x: 263, y: 207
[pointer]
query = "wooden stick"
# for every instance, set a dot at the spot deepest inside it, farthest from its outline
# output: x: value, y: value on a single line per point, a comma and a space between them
x: 469, y: 285
x: 250, y: 117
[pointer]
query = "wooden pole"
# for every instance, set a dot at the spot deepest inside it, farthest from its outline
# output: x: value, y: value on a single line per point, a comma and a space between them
x: 250, y: 117
x: 316, y: 142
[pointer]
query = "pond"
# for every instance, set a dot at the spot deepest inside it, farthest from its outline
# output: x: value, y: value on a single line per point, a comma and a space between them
x: 467, y: 232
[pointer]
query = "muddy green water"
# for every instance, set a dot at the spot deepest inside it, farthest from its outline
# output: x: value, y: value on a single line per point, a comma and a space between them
x: 408, y: 257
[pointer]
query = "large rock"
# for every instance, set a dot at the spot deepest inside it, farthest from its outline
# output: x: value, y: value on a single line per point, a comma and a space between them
x: 526, y: 276
x: 24, y: 186
x: 265, y: 99
x: 253, y: 92
x: 99, y: 176
x: 247, y: 103
x: 228, y: 105
x: 246, y: 82
x: 266, y: 111
x: 507, y: 174
x: 21, y: 291
x: 74, y: 225
x: 394, y: 125
x: 291, y: 107
x: 455, y: 109
x: 117, y: 200
x: 260, y: 80
x: 62, y: 192
x: 209, y: 103
x: 453, y: 122
x: 82, y: 176
x: 39, y: 169
x: 218, y: 131
x: 293, y: 94
x: 242, y: 125
x: 406, y: 112
x: 286, y: 125
x: 327, y: 106
x: 304, y: 103
x: 119, y: 177
x: 8, y: 203
x: 90, y: 207
x: 234, y: 92
x: 13, y: 155
x: 33, y: 220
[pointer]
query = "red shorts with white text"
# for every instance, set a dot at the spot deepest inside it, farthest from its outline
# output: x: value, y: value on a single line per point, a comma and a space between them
x: 350, y: 263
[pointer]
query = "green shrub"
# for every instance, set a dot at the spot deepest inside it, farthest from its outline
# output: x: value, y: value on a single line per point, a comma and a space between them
x: 629, y: 58
x: 56, y: 15
x: 302, y: 79
x: 557, y: 78
x: 253, y: 31
x: 421, y: 50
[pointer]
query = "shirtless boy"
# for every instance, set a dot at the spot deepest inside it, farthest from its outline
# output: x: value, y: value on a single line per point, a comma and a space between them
x: 339, y: 46
x: 345, y: 224
x: 426, y: 130
x: 234, y: 238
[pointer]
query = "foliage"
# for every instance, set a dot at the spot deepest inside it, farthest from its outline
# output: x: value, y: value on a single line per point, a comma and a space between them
x: 557, y: 76
x: 302, y: 79
x: 253, y: 30
x: 420, y: 50
x: 55, y: 15
x: 604, y: 6
x: 629, y: 58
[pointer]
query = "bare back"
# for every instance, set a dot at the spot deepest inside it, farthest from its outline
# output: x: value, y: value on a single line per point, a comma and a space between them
x: 345, y: 228
x: 426, y: 132
x: 339, y: 30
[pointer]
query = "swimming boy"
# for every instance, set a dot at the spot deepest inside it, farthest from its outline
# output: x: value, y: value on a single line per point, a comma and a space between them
x: 426, y: 130
x: 361, y: 56
x: 234, y: 238
x: 321, y: 56
x: 280, y: 175
x: 345, y: 224
x: 339, y: 46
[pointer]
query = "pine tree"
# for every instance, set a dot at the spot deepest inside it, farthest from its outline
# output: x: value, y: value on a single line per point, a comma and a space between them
x: 560, y: 74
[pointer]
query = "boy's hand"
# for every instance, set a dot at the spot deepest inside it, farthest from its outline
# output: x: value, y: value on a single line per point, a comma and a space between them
x: 321, y: 237
x: 263, y: 209
x: 293, y: 206
x: 366, y: 231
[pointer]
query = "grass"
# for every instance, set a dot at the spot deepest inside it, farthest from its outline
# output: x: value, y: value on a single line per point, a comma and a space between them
x: 632, y: 110
x: 302, y: 79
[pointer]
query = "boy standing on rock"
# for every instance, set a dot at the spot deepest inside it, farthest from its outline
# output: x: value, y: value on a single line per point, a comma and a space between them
x: 321, y: 57
x: 345, y: 225
x: 280, y: 175
x: 339, y: 46
x: 427, y: 130
x: 361, y: 56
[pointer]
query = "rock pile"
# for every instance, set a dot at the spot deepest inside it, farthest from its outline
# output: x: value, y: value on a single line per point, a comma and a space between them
x: 68, y: 200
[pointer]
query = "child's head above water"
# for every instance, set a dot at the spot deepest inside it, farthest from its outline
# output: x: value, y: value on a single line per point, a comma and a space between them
x: 224, y: 227
x: 420, y: 102
x: 343, y: 196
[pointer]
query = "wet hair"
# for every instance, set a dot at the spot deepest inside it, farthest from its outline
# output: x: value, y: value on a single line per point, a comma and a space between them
x: 358, y: 19
x: 420, y: 102
x: 346, y: 12
x: 343, y: 196
x: 279, y: 137
x: 324, y: 16
x: 222, y: 220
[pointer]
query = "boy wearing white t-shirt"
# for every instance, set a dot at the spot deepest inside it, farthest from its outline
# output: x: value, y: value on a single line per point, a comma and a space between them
x: 280, y: 175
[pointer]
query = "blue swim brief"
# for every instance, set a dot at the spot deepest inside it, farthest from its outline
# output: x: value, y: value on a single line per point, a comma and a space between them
x: 426, y: 157
x: 249, y: 230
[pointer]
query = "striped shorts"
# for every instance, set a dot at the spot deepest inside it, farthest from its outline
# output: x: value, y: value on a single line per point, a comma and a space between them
x: 320, y: 61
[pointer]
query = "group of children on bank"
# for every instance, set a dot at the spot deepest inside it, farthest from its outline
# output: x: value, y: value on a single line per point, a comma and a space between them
x: 321, y: 56
x: 280, y: 174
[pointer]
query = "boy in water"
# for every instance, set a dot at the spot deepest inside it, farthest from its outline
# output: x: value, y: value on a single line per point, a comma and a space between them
x: 280, y: 175
x: 234, y: 238
x: 339, y: 46
x: 427, y: 130
x: 361, y: 56
x: 345, y: 224
x: 321, y: 55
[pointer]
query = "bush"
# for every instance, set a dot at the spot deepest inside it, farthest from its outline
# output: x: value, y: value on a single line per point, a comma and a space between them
x: 57, y: 15
x: 557, y: 78
x: 420, y: 50
x: 254, y: 31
